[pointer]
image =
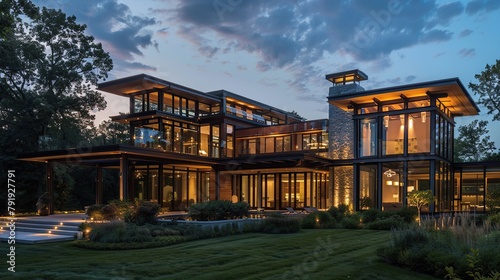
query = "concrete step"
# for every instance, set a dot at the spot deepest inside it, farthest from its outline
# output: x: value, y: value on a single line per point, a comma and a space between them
x: 4, y: 220
x: 23, y: 224
x: 52, y: 231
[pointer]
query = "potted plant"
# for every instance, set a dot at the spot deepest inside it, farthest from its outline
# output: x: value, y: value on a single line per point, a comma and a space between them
x: 42, y: 205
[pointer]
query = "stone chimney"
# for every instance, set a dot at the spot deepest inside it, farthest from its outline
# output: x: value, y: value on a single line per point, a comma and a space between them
x: 341, y: 125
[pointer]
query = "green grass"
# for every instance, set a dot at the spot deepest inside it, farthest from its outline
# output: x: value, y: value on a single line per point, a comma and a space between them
x: 346, y: 254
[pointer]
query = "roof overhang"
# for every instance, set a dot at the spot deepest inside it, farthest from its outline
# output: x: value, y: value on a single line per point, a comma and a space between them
x: 449, y: 91
x: 139, y: 83
x: 110, y: 155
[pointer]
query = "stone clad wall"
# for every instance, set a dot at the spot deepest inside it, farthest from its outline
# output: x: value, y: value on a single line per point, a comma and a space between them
x: 341, y: 145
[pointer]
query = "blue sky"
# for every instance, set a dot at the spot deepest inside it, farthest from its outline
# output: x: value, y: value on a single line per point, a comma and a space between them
x: 278, y: 52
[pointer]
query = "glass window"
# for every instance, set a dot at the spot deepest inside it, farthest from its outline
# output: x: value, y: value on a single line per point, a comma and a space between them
x: 368, y: 110
x: 393, y: 134
x: 270, y: 145
x: 392, y: 184
x: 191, y: 108
x: 252, y: 146
x: 418, y: 177
x: 215, y: 141
x: 203, y: 109
x: 419, y: 133
x: 279, y: 144
x: 229, y: 140
x: 138, y: 104
x: 177, y: 105
x: 419, y: 104
x: 367, y: 186
x: 147, y: 136
x: 153, y: 101
x: 287, y: 143
x: 167, y: 102
x: 473, y: 190
x: 393, y: 107
x: 368, y: 137
x: 204, y: 137
x: 190, y: 140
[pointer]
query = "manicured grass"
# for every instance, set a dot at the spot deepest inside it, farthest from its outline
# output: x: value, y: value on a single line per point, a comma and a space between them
x: 318, y: 254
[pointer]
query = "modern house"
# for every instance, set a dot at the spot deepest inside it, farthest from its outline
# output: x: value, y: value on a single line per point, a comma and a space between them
x: 189, y: 146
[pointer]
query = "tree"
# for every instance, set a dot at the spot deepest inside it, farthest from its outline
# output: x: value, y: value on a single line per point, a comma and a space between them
x: 110, y: 132
x: 488, y: 89
x: 420, y: 199
x: 48, y: 70
x: 473, y: 142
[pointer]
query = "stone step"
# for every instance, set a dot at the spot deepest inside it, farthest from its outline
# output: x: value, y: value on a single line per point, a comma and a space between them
x: 4, y: 220
x: 29, y: 224
x: 43, y: 230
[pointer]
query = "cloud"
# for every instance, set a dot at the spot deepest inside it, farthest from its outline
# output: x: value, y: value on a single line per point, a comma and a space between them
x: 465, y: 33
x: 410, y: 78
x: 467, y: 52
x: 481, y: 6
x: 446, y: 12
x: 123, y: 34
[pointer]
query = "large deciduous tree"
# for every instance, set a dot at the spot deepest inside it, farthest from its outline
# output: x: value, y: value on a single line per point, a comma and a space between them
x: 48, y: 69
x: 473, y: 142
x: 488, y: 89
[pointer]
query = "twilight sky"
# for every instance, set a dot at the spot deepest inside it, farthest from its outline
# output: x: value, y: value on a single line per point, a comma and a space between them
x: 278, y: 52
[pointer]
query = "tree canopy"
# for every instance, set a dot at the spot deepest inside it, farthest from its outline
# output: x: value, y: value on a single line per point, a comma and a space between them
x: 48, y: 67
x: 488, y: 89
x: 473, y: 142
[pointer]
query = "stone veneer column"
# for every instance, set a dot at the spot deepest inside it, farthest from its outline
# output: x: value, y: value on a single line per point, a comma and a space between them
x: 341, y: 125
x: 341, y: 145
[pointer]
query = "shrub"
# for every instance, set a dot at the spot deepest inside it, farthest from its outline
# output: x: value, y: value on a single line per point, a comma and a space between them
x: 351, y: 222
x: 99, y: 231
x: 318, y: 219
x: 370, y: 215
x: 409, y: 214
x: 218, y: 210
x: 386, y: 224
x: 279, y: 223
x: 145, y: 212
x: 494, y: 220
x: 339, y: 213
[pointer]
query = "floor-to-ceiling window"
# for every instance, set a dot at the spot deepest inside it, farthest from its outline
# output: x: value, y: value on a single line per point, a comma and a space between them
x: 392, y: 184
x: 367, y: 186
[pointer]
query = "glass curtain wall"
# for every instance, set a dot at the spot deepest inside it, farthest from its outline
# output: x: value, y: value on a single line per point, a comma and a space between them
x: 368, y: 186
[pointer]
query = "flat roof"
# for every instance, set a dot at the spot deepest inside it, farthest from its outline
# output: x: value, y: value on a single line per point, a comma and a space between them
x: 457, y: 99
x: 138, y: 83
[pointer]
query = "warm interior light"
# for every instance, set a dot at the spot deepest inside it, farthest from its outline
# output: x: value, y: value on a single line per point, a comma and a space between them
x: 386, y: 121
x: 395, y: 195
x: 389, y: 183
x: 411, y: 188
x: 423, y: 115
x: 396, y: 183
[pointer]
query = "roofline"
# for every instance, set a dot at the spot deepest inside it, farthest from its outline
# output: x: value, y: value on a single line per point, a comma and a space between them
x: 357, y: 71
x: 155, y: 80
x: 253, y: 102
x: 442, y: 82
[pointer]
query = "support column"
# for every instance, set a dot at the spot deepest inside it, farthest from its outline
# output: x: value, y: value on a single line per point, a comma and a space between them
x: 98, y: 191
x: 50, y: 186
x: 123, y: 177
x: 217, y: 184
x: 259, y: 189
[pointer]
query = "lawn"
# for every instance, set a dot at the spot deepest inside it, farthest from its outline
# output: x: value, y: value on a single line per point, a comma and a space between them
x: 310, y: 254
